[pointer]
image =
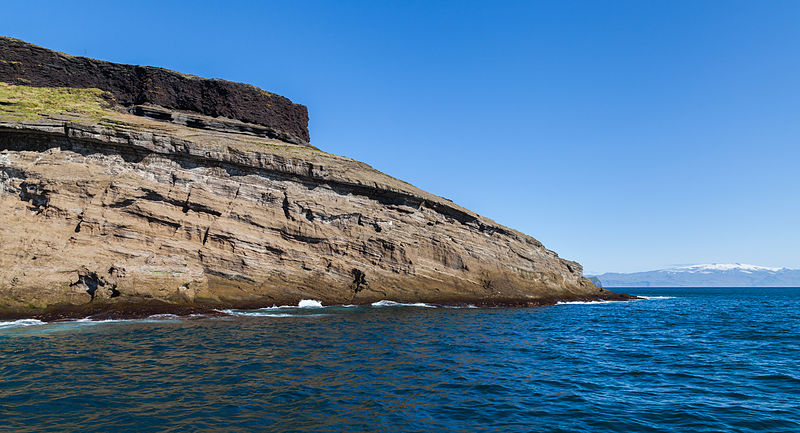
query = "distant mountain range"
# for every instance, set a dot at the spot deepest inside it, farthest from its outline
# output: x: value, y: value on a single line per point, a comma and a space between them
x: 711, y: 275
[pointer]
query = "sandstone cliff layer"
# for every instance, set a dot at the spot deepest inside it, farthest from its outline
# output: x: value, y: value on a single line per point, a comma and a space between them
x: 102, y: 207
x: 131, y: 85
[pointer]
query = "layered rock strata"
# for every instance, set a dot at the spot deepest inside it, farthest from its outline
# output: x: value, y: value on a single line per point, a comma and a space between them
x: 103, y: 208
x: 131, y: 85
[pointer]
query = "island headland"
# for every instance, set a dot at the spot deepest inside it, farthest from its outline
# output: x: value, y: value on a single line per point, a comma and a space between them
x: 129, y: 190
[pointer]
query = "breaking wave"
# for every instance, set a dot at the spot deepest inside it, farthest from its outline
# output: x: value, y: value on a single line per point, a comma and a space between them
x: 648, y: 298
x: 21, y: 323
x: 75, y: 323
x: 309, y: 303
x: 401, y: 304
x: 256, y: 313
x: 586, y: 302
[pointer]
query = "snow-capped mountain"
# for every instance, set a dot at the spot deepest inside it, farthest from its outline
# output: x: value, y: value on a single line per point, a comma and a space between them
x: 723, y: 267
x: 707, y: 275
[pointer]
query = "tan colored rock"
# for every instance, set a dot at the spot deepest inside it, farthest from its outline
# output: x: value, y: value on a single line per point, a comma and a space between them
x: 128, y: 209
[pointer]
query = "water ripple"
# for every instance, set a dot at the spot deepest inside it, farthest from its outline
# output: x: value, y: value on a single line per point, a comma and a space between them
x: 681, y: 360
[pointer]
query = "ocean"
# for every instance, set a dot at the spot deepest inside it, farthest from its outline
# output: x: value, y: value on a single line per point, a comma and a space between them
x: 682, y: 360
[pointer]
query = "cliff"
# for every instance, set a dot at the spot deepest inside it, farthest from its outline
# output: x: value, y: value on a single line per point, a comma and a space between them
x: 102, y: 207
x: 130, y: 85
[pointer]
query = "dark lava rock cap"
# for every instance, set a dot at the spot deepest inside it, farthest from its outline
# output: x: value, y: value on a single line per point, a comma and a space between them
x: 22, y: 63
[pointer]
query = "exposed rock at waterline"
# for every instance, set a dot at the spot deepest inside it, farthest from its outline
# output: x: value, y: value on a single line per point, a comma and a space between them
x: 107, y: 205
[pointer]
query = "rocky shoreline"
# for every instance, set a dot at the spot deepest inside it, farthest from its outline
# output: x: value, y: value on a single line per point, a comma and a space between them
x: 142, y: 310
x: 112, y: 210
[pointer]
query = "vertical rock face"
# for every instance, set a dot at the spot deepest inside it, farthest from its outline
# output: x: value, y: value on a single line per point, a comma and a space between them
x: 26, y: 64
x: 102, y: 207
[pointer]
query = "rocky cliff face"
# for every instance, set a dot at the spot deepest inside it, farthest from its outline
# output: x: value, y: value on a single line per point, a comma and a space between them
x: 102, y: 207
x: 130, y: 85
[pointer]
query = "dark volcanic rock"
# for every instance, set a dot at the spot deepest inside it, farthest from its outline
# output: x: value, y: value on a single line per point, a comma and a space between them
x: 27, y: 64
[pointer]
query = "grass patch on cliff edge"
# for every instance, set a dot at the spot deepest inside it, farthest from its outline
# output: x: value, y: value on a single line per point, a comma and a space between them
x: 29, y: 103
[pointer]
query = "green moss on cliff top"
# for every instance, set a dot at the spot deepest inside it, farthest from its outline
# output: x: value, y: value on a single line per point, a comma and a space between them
x: 29, y: 103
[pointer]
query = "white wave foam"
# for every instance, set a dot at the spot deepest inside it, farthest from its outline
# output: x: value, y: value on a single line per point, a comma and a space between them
x: 156, y: 318
x: 164, y: 316
x: 256, y: 313
x: 261, y: 313
x: 649, y: 298
x: 86, y: 321
x: 586, y: 302
x: 63, y: 325
x: 400, y: 304
x: 21, y: 323
x: 304, y: 303
x: 309, y: 303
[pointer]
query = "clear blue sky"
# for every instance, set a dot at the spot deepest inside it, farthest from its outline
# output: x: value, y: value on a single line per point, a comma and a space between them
x: 625, y: 135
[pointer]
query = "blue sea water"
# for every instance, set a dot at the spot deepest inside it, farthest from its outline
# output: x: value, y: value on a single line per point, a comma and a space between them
x: 684, y: 360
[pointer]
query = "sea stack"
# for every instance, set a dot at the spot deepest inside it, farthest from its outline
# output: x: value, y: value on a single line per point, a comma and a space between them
x: 125, y: 186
